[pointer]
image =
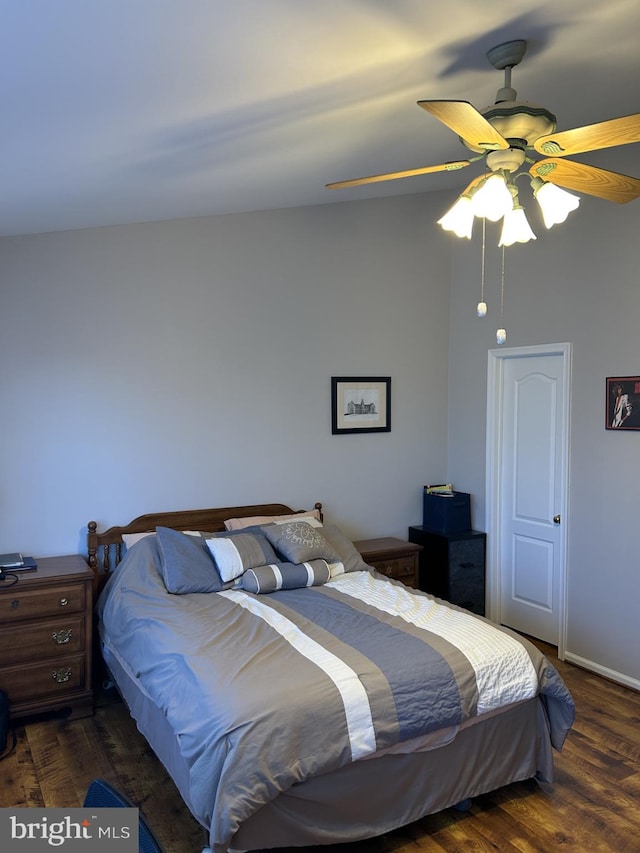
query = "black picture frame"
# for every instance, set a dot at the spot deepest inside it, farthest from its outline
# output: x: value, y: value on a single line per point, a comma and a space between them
x: 360, y: 404
x: 622, y: 403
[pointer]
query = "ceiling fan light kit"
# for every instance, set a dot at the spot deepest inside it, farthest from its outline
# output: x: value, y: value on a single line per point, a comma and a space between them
x: 555, y: 203
x: 492, y: 199
x: 515, y: 228
x: 505, y: 135
x: 459, y: 218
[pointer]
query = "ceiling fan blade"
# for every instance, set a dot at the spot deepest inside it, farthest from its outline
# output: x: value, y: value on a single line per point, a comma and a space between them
x: 611, y: 186
x: 392, y: 176
x: 592, y: 137
x: 473, y: 184
x: 464, y: 119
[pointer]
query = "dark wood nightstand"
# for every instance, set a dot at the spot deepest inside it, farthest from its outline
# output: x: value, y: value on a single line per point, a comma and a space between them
x: 46, y: 621
x: 394, y: 558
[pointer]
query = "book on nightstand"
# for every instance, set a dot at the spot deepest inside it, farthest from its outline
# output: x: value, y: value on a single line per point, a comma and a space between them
x: 17, y: 562
x: 11, y: 561
x: 28, y: 565
x: 445, y: 490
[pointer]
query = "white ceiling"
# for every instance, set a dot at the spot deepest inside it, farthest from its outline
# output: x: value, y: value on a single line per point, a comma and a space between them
x: 118, y: 111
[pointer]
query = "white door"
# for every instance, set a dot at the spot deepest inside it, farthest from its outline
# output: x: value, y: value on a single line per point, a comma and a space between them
x: 528, y: 455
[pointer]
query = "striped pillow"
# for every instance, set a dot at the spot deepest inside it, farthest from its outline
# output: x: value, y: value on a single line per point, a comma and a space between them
x: 234, y: 553
x: 285, y: 576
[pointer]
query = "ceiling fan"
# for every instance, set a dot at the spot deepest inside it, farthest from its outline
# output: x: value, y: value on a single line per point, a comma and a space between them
x: 505, y: 133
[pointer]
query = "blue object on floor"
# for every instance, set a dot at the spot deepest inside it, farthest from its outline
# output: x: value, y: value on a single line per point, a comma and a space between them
x: 102, y: 795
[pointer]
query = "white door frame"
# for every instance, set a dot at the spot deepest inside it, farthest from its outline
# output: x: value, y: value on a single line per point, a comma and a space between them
x: 495, y: 398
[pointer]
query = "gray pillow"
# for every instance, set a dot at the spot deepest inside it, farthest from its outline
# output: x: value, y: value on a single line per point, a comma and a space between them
x: 186, y: 563
x: 297, y: 541
x: 349, y: 555
x: 285, y: 576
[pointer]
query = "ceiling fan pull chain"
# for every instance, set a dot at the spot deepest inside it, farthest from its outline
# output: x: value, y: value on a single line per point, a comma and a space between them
x: 501, y: 334
x: 481, y: 309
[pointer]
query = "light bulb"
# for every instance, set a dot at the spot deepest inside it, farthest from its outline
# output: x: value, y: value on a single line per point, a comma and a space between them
x: 515, y: 228
x: 481, y: 309
x: 459, y: 218
x: 555, y: 203
x: 493, y: 199
x: 501, y: 336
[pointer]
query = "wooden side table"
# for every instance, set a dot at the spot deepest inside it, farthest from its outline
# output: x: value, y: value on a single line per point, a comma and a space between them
x: 392, y: 557
x: 46, y: 622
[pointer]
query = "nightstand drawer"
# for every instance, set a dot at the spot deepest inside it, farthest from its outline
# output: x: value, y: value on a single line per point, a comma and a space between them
x: 52, y: 679
x: 452, y: 566
x: 47, y: 639
x: 33, y: 603
x: 401, y: 569
x: 392, y: 557
x: 466, y: 555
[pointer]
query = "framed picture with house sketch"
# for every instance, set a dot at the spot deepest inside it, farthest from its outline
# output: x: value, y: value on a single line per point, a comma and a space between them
x: 623, y: 402
x: 360, y: 404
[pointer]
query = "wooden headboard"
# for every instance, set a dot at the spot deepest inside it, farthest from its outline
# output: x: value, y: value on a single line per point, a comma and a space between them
x: 104, y: 550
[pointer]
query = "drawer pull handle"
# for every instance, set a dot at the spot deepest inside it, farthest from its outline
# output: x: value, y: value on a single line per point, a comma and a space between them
x: 63, y: 602
x: 63, y: 636
x: 467, y: 565
x: 15, y: 604
x: 61, y: 675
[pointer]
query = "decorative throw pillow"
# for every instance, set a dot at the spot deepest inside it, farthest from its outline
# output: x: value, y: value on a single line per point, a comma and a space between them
x: 241, y: 523
x: 186, y: 563
x: 297, y: 542
x: 234, y: 553
x: 285, y: 576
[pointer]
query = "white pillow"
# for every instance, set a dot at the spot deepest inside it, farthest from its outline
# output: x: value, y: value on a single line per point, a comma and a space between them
x: 130, y: 539
x: 306, y: 519
x: 240, y: 523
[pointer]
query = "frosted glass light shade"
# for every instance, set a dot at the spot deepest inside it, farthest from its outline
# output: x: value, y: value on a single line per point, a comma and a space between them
x: 459, y: 218
x: 555, y: 203
x: 493, y: 199
x: 515, y: 228
x: 481, y: 309
x: 501, y: 336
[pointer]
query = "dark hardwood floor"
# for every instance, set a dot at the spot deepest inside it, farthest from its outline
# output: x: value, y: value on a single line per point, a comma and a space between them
x: 593, y: 804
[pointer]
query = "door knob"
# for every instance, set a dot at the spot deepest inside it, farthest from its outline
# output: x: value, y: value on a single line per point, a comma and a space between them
x: 556, y: 519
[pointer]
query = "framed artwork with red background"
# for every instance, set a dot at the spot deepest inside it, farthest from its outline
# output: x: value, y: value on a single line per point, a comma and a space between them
x: 623, y: 402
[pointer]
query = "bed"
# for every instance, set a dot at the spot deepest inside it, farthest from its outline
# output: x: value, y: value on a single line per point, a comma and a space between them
x: 307, y: 699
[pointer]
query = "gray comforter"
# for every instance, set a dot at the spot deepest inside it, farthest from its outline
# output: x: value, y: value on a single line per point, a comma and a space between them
x: 265, y: 691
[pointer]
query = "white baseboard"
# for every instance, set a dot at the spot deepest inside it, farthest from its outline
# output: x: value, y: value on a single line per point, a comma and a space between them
x: 611, y: 674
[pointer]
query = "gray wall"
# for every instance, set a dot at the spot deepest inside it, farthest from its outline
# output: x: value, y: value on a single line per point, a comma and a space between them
x: 579, y: 283
x: 182, y: 364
